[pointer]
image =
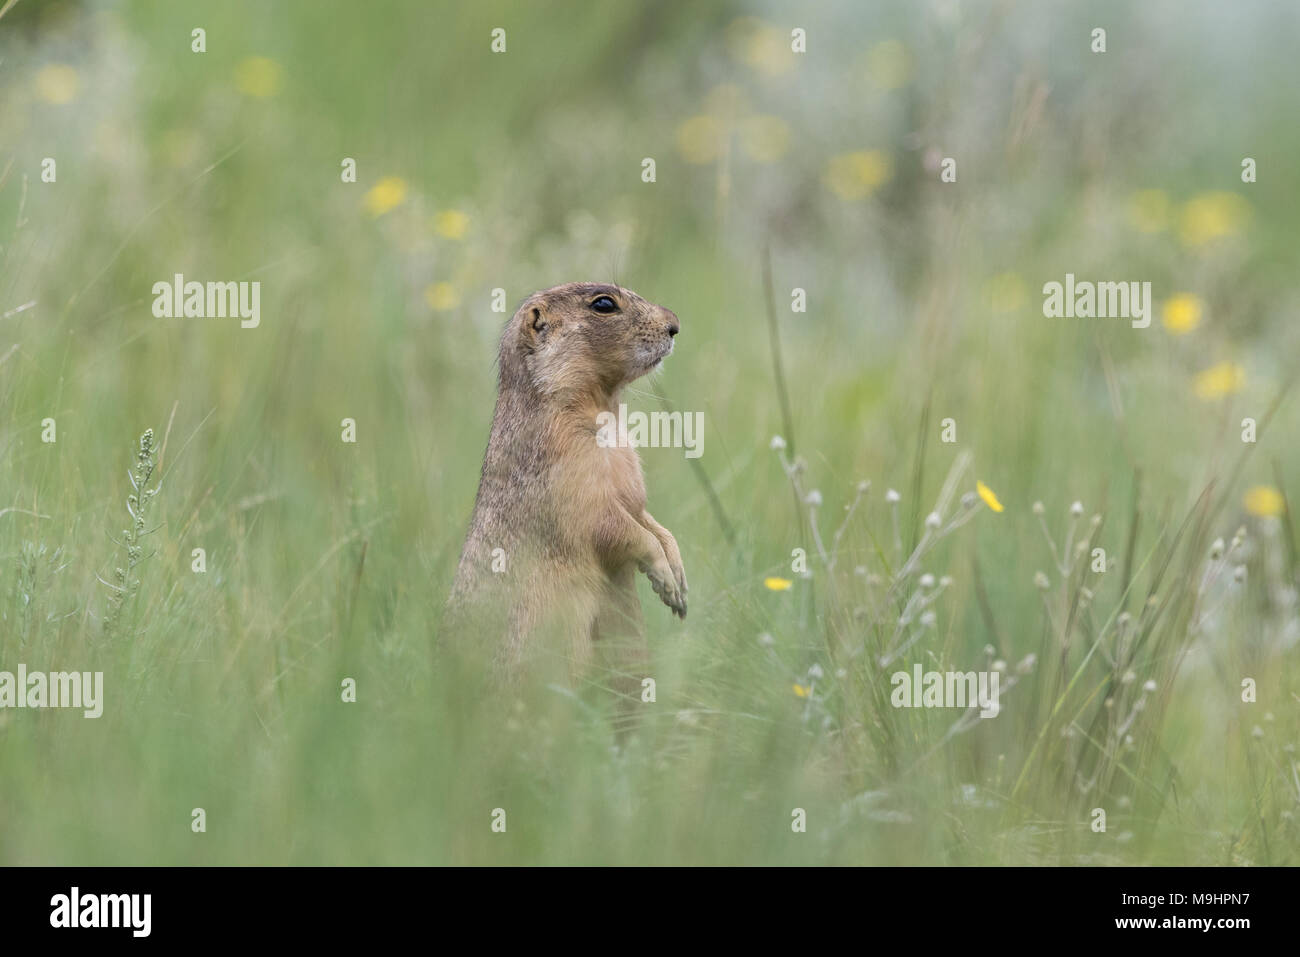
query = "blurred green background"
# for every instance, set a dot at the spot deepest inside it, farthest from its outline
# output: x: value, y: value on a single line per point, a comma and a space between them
x: 521, y: 170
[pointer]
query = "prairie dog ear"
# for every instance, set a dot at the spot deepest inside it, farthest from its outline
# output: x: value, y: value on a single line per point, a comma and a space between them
x: 534, y: 325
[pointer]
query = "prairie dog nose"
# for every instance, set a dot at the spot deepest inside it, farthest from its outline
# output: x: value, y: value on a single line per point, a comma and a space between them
x: 673, y: 326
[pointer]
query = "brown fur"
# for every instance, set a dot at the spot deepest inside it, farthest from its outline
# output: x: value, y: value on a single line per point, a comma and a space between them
x: 570, y: 515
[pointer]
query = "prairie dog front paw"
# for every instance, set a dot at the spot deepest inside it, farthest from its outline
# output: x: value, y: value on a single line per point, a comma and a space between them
x: 667, y: 584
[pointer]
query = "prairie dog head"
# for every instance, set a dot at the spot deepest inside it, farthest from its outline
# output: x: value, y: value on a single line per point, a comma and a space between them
x: 585, y: 338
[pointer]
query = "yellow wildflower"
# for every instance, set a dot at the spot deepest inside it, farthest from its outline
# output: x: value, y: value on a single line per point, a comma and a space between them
x: 1219, y: 380
x: 801, y: 691
x: 987, y: 495
x: 760, y: 45
x: 57, y: 83
x: 777, y: 584
x: 258, y: 76
x: 1212, y: 215
x: 385, y: 195
x: 451, y: 224
x: 1182, y: 313
x: 1264, y: 500
x: 854, y: 176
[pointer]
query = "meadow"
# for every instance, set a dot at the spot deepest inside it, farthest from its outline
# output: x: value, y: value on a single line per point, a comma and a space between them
x: 904, y: 461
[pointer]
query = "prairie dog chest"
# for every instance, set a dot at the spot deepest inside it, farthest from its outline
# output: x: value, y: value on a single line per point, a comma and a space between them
x: 593, y: 479
x: 620, y: 472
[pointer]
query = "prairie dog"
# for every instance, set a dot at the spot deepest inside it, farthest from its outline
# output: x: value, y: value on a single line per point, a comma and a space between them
x: 560, y: 526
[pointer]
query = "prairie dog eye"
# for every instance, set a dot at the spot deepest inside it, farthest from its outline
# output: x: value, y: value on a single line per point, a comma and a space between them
x: 604, y: 304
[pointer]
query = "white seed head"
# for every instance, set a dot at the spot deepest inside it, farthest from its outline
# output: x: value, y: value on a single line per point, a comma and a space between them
x: 1239, y: 574
x: 813, y: 498
x: 777, y: 443
x: 1216, y: 550
x: 928, y: 618
x: 1027, y: 663
x: 1129, y: 678
x: 945, y: 581
x: 815, y: 671
x: 932, y: 521
x: 927, y: 580
x: 968, y: 500
x: 999, y: 665
x: 1038, y: 508
x: 1149, y: 685
x: 1257, y: 732
x: 863, y: 486
x: 1076, y: 509
x: 892, y: 497
x: 860, y: 570
x: 766, y: 640
x: 1041, y: 582
x: 990, y: 650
